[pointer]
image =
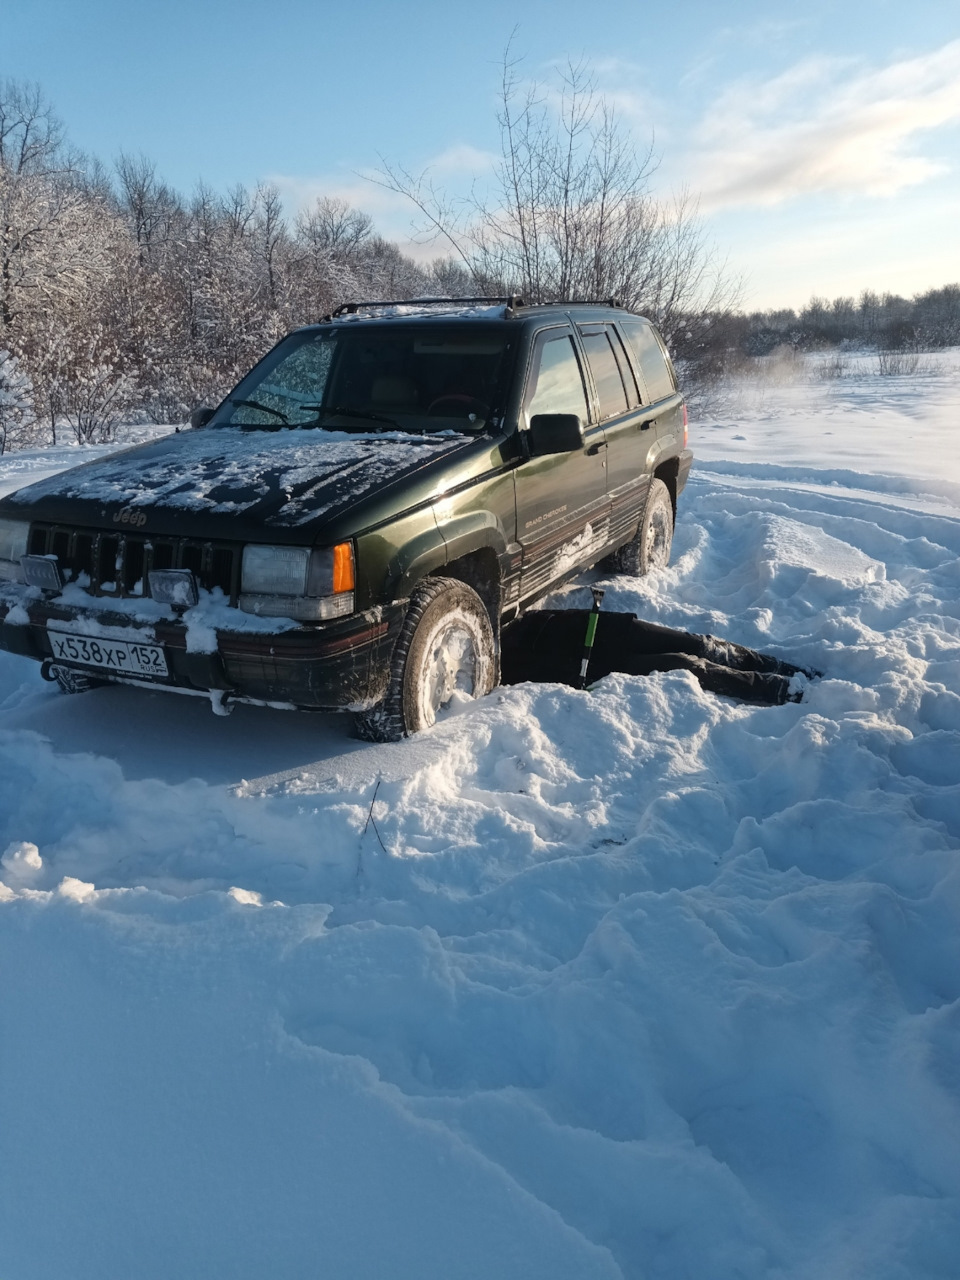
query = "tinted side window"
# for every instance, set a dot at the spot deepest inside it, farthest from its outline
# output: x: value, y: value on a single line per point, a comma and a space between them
x: 606, y: 374
x: 556, y: 383
x: 653, y: 365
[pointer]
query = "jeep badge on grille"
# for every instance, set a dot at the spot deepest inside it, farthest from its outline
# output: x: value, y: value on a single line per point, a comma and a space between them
x: 127, y: 515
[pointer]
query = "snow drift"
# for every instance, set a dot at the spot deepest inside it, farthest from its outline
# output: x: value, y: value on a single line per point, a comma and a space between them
x: 637, y: 982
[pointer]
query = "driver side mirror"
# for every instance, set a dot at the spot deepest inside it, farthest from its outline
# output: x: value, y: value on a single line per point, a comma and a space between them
x: 200, y: 417
x: 555, y: 433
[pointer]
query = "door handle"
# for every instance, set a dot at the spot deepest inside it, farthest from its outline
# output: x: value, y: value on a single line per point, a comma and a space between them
x: 595, y: 448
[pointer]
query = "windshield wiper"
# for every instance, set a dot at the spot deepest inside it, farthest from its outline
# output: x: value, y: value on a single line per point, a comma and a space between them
x: 264, y: 408
x: 367, y: 414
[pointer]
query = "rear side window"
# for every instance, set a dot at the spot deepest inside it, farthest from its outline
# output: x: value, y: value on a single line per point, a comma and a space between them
x: 649, y: 354
x: 556, y: 383
x: 606, y: 373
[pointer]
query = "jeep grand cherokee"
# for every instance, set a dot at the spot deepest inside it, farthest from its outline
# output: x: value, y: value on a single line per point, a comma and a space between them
x: 355, y: 522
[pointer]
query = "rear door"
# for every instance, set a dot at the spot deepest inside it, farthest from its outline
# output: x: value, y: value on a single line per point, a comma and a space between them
x: 562, y: 505
x: 628, y: 427
x: 663, y: 405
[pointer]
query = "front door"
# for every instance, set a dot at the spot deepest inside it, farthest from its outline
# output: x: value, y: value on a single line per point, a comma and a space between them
x: 562, y: 504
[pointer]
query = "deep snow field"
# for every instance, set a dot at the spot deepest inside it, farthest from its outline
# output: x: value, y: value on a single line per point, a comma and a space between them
x: 636, y: 982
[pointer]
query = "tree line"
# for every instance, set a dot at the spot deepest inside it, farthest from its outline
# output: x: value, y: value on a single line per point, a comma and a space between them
x: 121, y: 298
x: 715, y: 343
x: 118, y: 296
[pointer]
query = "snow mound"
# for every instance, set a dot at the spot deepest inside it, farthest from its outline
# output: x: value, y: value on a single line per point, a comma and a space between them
x: 790, y: 546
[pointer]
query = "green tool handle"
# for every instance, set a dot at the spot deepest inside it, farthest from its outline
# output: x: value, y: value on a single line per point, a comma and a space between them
x: 591, y: 634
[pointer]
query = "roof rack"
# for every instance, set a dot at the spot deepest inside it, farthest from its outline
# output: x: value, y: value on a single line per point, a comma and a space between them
x: 351, y: 308
x: 512, y: 302
x: 586, y: 302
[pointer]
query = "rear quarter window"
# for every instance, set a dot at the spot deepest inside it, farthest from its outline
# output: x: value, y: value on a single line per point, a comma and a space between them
x: 653, y: 363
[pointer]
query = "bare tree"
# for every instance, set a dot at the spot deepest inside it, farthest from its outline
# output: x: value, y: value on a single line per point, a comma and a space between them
x: 571, y: 215
x: 152, y: 209
x: 332, y: 226
x: 573, y: 206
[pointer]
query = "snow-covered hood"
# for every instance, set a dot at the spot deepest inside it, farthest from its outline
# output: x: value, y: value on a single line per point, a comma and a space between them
x: 280, y: 480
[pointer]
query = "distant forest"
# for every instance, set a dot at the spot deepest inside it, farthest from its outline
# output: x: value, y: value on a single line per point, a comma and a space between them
x: 120, y: 298
x: 880, y: 322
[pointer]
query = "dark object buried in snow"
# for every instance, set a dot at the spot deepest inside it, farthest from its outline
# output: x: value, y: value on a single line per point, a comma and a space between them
x: 546, y: 645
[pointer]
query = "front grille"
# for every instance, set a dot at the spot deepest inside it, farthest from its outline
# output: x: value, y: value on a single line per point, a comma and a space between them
x: 117, y: 564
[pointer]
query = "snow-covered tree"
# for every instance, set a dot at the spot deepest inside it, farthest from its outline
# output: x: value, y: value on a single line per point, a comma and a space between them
x: 17, y: 419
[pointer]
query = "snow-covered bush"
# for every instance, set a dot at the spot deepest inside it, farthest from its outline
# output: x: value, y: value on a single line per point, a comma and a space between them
x: 94, y: 391
x: 17, y: 420
x: 897, y: 362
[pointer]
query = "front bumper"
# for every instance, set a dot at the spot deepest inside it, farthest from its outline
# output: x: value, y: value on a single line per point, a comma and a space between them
x: 329, y: 666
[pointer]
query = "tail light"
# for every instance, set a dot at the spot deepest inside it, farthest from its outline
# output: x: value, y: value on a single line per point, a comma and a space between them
x: 686, y: 433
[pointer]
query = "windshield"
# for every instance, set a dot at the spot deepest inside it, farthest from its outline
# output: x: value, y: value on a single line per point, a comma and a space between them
x: 364, y: 378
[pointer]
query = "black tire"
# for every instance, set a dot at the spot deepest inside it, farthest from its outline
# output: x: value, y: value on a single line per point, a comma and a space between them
x: 650, y: 548
x: 446, y: 645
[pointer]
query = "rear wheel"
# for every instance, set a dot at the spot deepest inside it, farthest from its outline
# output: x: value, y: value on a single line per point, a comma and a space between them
x: 445, y: 649
x: 650, y: 549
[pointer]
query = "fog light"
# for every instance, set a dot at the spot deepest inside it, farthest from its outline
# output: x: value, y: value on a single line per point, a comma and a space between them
x: 174, y: 586
x: 42, y: 571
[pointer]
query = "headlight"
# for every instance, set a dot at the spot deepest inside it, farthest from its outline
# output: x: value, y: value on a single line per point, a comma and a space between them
x: 14, y: 535
x: 297, y: 582
x: 278, y: 570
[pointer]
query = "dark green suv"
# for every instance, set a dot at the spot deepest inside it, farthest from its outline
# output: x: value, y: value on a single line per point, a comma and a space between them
x: 353, y: 525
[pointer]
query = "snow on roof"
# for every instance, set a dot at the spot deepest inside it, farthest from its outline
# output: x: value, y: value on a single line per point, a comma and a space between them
x: 409, y: 311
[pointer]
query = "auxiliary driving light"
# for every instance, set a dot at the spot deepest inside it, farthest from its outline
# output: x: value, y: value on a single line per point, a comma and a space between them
x: 174, y: 586
x: 43, y: 572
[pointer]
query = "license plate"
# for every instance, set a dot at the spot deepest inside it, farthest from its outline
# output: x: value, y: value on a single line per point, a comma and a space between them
x: 122, y: 656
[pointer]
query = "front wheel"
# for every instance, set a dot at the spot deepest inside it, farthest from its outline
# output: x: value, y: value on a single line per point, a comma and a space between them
x: 445, y: 648
x: 650, y: 549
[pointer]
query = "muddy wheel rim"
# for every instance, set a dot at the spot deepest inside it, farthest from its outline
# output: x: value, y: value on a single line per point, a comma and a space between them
x: 660, y: 539
x: 450, y: 667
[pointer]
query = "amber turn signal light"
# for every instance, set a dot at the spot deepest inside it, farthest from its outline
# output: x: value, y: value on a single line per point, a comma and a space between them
x: 344, y: 577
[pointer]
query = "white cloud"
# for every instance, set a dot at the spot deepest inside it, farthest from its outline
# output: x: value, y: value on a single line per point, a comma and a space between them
x: 826, y: 125
x: 394, y: 215
x: 463, y: 159
x: 300, y: 192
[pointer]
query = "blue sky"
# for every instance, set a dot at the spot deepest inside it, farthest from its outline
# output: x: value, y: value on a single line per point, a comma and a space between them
x: 823, y: 139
